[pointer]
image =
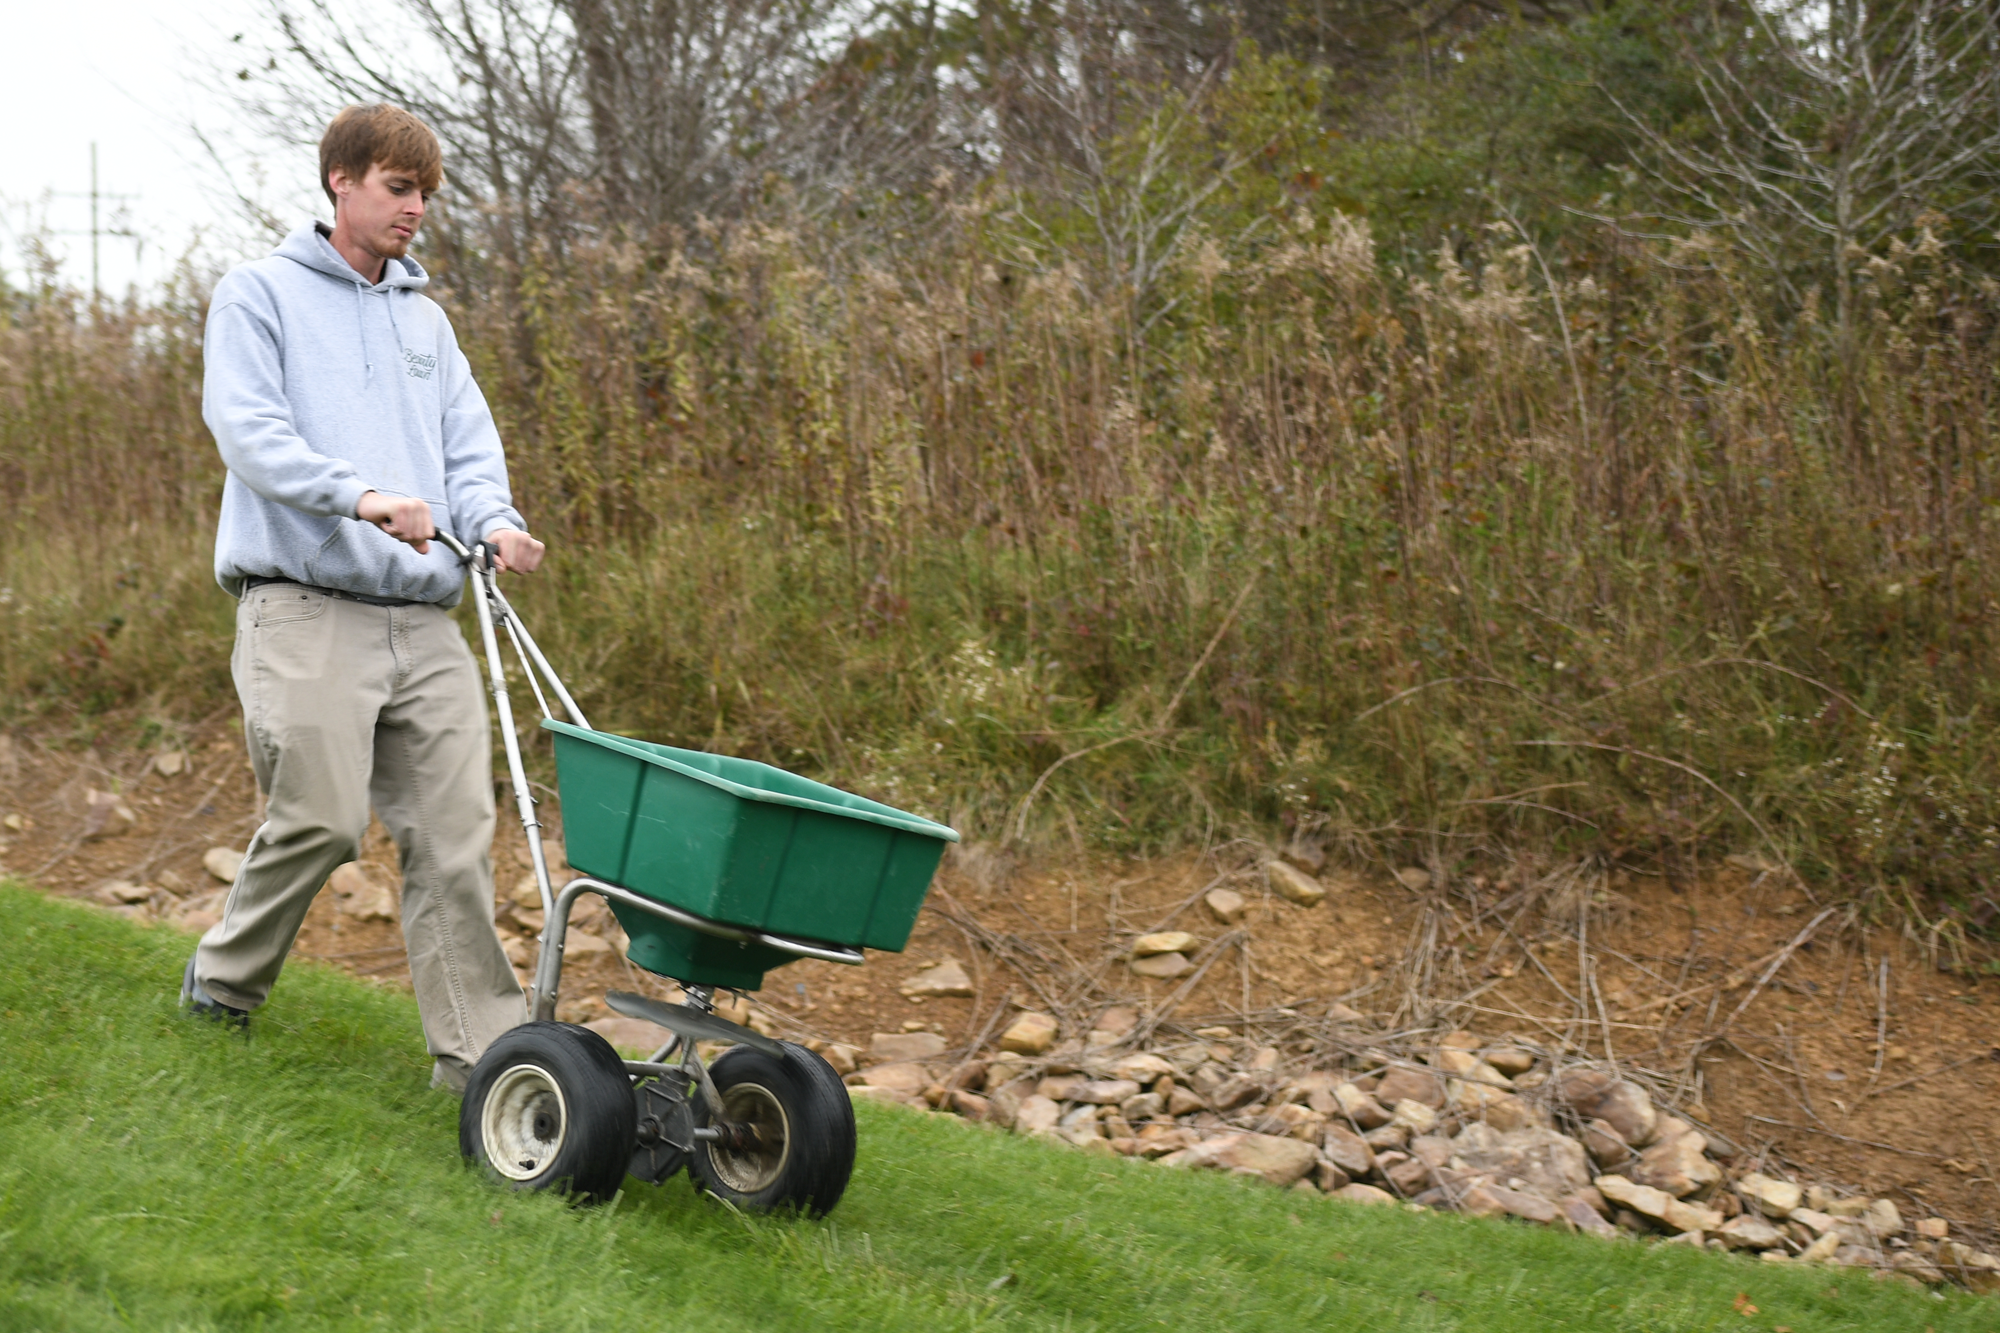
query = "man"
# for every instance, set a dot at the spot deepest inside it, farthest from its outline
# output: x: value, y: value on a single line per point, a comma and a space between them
x: 353, y: 433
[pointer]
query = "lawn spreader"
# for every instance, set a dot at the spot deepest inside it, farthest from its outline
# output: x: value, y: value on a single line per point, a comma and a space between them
x: 719, y: 869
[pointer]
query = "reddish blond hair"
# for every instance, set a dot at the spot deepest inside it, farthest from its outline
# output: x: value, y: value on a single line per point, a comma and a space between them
x: 361, y: 137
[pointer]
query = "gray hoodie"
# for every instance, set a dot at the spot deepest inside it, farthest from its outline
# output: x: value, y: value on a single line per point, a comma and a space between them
x: 319, y: 387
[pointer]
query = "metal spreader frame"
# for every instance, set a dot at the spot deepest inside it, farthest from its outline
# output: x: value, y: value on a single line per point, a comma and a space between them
x: 695, y: 1020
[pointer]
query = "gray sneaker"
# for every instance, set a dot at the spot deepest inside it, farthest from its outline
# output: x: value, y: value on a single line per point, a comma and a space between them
x: 197, y: 1003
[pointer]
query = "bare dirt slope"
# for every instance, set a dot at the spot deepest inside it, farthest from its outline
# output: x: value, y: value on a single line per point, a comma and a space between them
x: 1841, y: 1050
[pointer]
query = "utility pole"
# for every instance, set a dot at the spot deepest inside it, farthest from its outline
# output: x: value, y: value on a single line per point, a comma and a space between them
x: 97, y: 230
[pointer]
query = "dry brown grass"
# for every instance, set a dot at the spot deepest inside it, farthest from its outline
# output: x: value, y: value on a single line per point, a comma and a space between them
x: 1531, y: 548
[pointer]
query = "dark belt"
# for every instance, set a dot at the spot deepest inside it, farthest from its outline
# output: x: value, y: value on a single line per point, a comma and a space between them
x: 259, y: 581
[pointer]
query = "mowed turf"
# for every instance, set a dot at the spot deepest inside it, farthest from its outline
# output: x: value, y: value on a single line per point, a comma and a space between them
x: 162, y: 1174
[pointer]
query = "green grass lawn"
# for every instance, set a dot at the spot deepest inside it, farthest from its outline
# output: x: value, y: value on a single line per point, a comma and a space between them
x: 160, y: 1174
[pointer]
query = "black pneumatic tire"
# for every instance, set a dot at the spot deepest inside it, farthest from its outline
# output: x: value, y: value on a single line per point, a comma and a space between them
x: 807, y: 1121
x: 549, y: 1107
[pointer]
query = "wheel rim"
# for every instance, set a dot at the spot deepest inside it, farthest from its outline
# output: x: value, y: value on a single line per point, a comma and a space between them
x: 753, y: 1170
x: 524, y: 1122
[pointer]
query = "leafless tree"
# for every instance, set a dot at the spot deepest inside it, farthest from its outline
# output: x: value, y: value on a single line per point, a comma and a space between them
x: 1835, y: 124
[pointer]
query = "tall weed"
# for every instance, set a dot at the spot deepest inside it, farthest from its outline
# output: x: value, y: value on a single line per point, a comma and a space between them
x: 1529, y: 548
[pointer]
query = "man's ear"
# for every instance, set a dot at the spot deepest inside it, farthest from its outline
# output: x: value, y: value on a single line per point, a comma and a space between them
x: 340, y: 183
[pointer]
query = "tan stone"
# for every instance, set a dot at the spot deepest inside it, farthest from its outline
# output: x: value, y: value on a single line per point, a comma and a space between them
x: 222, y: 862
x: 1391, y: 1137
x: 1347, y: 1150
x: 1511, y: 1061
x: 1004, y: 1102
x: 105, y: 814
x: 902, y: 1076
x: 1225, y: 905
x: 1502, y: 1110
x: 1774, y: 1199
x: 1277, y: 1160
x: 1293, y: 884
x: 1604, y: 1146
x: 123, y: 891
x: 1628, y: 1109
x: 1300, y: 1122
x: 1883, y: 1219
x: 862, y: 1092
x: 1360, y: 1193
x: 1582, y: 1088
x: 1750, y: 1232
x: 946, y: 979
x: 195, y: 920
x: 968, y: 1104
x: 842, y: 1057
x: 1037, y: 1117
x: 1658, y: 1204
x: 1305, y: 854
x: 1360, y: 1107
x: 1410, y: 1175
x: 1184, y: 1101
x: 1469, y: 1067
x: 1415, y: 1115
x: 886, y: 1048
x: 1541, y: 1160
x: 359, y: 894
x: 1417, y: 1085
x: 1233, y: 1093
x: 1143, y: 1068
x: 1031, y: 1034
x: 1822, y: 1250
x: 578, y: 943
x: 1119, y: 1019
x: 1486, y: 1200
x: 1162, y: 966
x: 1106, y: 1091
x: 1159, y: 1140
x: 1932, y: 1228
x: 1165, y: 941
x: 629, y: 1034
x: 1679, y: 1166
x: 1582, y: 1217
x: 170, y: 763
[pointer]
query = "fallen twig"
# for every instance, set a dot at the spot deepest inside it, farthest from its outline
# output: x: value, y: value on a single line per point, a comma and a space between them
x: 1864, y: 1143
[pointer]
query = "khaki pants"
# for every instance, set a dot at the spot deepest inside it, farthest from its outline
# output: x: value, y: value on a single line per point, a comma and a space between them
x: 344, y: 704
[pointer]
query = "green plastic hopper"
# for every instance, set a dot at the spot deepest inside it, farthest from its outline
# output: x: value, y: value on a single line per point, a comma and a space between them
x: 742, y: 843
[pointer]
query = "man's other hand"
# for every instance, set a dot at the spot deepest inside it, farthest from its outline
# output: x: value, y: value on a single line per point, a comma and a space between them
x: 404, y: 518
x: 515, y: 550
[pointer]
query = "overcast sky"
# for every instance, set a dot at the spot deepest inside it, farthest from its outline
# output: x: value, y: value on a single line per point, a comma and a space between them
x: 133, y: 78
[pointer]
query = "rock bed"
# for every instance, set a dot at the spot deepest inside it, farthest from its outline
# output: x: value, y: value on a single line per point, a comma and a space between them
x: 1453, y: 1122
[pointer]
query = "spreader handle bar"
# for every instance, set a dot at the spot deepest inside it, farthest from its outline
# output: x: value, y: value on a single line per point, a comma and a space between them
x: 517, y: 629
x: 548, y: 966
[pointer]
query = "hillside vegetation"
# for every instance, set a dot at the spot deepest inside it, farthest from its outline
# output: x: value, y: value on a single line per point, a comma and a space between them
x: 1372, y: 453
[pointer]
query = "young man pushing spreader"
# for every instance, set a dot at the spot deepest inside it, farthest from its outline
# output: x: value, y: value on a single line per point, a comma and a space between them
x: 353, y: 433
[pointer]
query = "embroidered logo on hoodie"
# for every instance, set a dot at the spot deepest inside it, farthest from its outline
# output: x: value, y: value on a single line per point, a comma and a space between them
x: 418, y: 365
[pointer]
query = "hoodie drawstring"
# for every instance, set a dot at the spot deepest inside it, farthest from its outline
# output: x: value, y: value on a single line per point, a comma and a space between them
x: 361, y: 328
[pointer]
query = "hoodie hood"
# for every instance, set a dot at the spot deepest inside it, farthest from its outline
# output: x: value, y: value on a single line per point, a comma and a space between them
x: 313, y: 246
x: 320, y: 386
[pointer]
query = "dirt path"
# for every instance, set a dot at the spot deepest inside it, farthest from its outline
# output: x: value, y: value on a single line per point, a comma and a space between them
x: 1856, y: 1059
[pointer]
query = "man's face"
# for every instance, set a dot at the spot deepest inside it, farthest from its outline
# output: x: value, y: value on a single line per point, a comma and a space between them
x: 382, y: 211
